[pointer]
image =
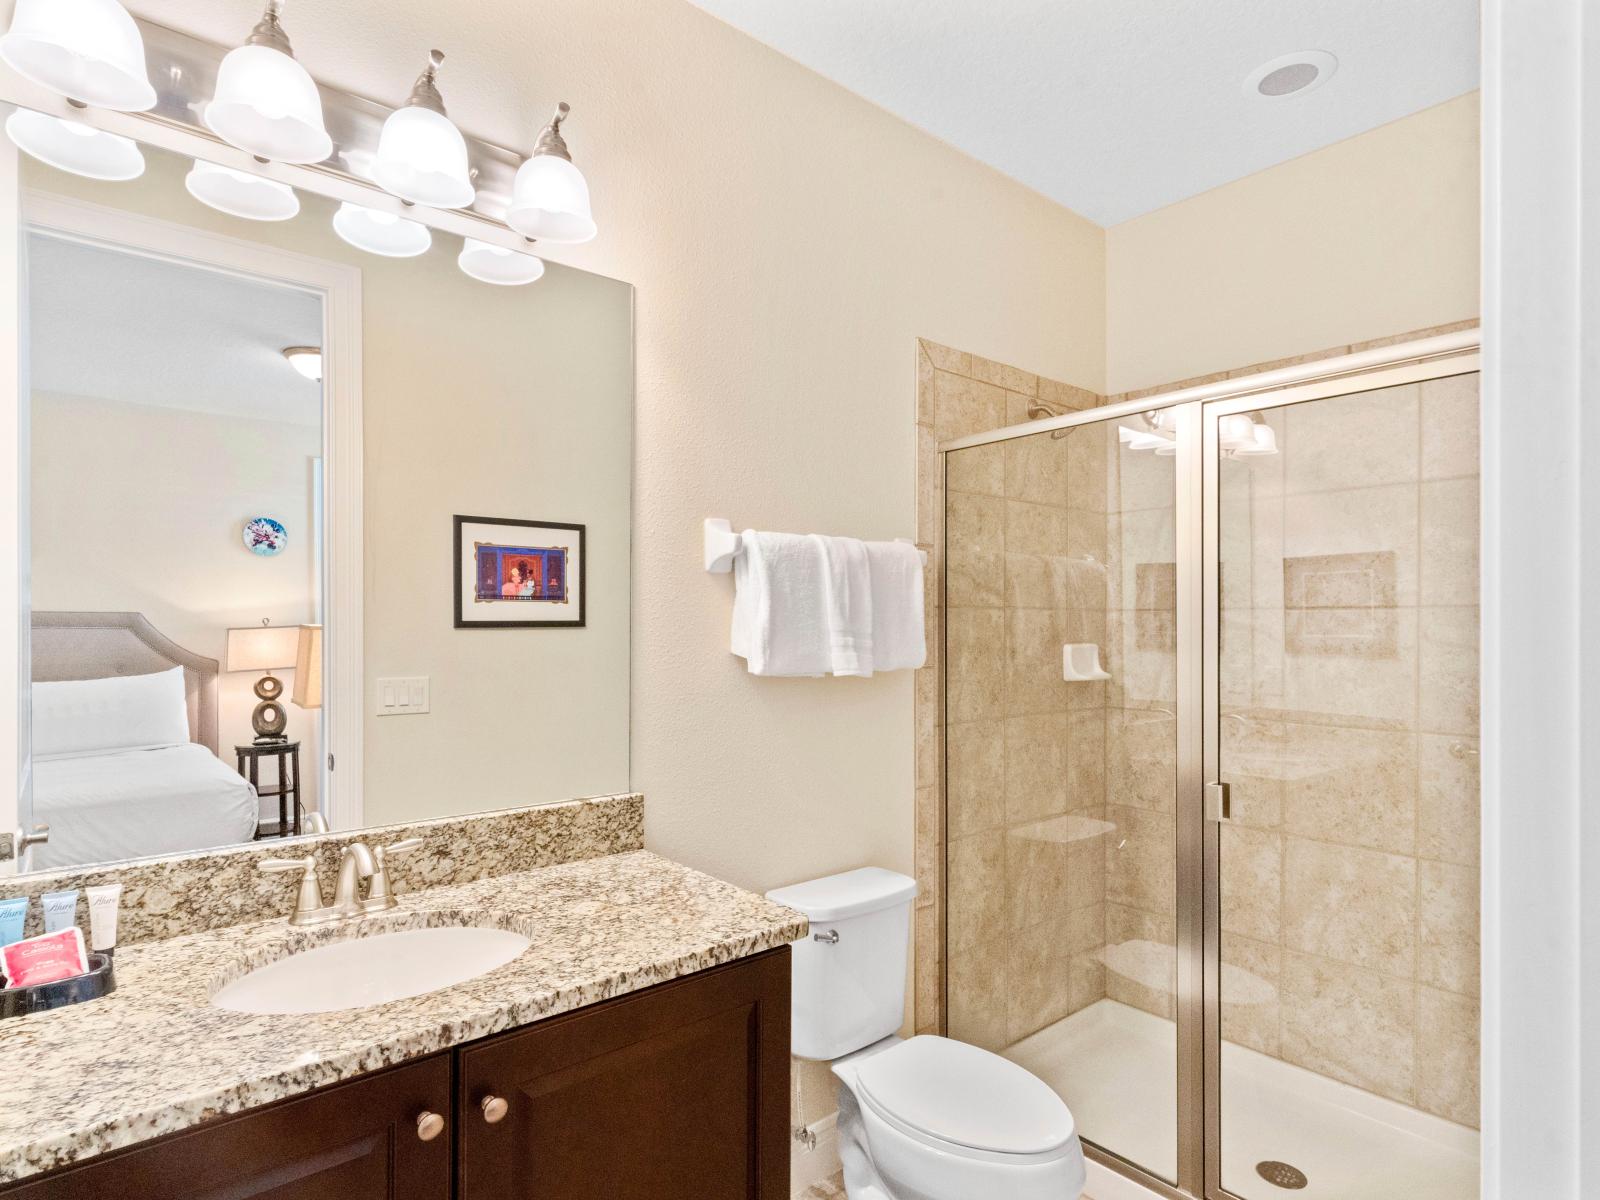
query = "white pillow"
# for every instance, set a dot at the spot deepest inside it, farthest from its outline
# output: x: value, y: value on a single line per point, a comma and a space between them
x: 100, y: 716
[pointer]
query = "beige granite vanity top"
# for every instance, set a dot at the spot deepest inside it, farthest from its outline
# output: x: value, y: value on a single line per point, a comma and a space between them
x: 155, y: 1056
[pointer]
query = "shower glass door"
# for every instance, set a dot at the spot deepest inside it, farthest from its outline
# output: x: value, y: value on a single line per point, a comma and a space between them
x: 1342, y: 718
x: 1061, y: 695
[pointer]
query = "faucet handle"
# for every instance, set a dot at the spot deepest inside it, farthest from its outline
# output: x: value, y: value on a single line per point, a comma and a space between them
x: 309, y: 899
x: 379, y: 893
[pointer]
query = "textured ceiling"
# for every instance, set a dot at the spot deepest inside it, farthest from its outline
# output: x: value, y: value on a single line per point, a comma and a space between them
x: 117, y: 326
x: 1117, y: 107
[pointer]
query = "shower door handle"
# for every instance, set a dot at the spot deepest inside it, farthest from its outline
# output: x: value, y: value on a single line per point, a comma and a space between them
x: 1219, y: 802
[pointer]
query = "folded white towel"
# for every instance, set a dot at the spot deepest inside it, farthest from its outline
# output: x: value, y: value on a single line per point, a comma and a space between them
x: 899, y: 641
x: 847, y: 604
x: 779, y: 626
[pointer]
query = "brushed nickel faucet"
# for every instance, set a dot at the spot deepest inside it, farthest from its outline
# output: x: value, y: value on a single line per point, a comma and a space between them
x: 359, y: 861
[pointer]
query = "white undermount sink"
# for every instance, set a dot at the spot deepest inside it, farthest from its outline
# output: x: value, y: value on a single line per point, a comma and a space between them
x: 366, y: 971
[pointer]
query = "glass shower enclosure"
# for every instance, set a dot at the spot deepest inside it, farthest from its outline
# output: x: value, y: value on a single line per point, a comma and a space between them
x: 1210, y: 780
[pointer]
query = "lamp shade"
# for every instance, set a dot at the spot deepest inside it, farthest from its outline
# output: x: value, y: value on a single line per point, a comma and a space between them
x: 550, y: 201
x: 380, y: 232
x: 422, y: 157
x: 263, y: 647
x: 240, y: 194
x: 489, y: 263
x: 78, y: 148
x: 308, y: 667
x: 266, y: 102
x: 87, y: 50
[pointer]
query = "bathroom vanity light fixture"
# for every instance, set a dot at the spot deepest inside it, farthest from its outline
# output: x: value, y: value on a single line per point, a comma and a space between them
x: 489, y: 263
x: 241, y: 194
x: 306, y: 360
x: 1239, y: 435
x: 422, y: 157
x: 550, y: 199
x: 379, y: 232
x: 71, y: 146
x: 89, y: 51
x: 266, y: 102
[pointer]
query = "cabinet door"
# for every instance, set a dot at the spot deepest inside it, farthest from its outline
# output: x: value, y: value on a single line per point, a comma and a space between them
x: 679, y: 1092
x: 353, y: 1141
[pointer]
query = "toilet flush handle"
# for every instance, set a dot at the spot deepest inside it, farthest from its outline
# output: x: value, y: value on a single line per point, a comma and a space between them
x: 831, y: 937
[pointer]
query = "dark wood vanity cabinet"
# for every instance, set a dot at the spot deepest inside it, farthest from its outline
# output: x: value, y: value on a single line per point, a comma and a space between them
x: 353, y: 1141
x: 676, y: 1092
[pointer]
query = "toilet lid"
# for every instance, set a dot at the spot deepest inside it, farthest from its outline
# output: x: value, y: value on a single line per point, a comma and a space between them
x: 958, y: 1093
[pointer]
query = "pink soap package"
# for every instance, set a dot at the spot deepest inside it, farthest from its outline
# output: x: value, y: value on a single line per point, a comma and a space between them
x: 44, y: 959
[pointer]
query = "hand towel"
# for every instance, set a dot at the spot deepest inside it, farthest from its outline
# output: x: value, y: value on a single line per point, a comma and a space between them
x: 779, y: 626
x: 847, y: 604
x: 899, y: 641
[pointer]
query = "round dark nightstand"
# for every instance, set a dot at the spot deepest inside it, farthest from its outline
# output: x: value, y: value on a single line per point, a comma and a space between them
x: 287, y: 791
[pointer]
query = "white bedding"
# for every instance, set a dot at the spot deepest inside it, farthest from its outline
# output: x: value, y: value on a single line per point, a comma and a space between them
x: 133, y: 803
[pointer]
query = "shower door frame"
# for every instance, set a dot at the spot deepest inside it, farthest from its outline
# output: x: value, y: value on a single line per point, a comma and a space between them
x: 1197, y: 410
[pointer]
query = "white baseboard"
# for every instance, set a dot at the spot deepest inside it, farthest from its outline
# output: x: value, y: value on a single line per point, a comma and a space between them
x: 1106, y: 1184
x: 818, y: 1164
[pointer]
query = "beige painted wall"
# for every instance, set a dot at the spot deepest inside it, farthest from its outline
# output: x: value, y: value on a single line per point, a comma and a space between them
x: 488, y: 402
x: 1370, y: 237
x: 180, y: 500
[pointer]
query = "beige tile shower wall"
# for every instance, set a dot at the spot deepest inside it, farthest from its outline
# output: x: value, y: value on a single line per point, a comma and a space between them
x: 1350, y: 698
x: 1023, y: 753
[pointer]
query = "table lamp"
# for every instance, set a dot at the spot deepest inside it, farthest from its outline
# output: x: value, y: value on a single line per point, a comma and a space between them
x: 265, y: 648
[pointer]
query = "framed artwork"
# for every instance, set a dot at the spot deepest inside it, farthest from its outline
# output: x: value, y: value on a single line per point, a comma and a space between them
x: 514, y: 574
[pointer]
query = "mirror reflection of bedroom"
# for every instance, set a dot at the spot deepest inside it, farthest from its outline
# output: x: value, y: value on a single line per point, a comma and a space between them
x: 306, y: 552
x: 176, y: 587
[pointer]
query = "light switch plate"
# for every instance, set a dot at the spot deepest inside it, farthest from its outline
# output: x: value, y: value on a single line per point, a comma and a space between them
x: 402, y: 696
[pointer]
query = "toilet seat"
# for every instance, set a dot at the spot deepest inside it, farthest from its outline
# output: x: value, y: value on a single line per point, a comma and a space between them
x: 965, y: 1101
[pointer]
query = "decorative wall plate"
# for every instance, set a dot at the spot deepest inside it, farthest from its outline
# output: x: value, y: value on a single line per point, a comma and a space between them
x: 263, y: 535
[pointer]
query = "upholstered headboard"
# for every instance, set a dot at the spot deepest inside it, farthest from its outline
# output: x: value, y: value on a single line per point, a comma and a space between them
x: 94, y: 645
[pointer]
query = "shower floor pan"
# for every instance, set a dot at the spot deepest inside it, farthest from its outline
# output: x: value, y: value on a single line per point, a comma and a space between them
x: 1116, y: 1068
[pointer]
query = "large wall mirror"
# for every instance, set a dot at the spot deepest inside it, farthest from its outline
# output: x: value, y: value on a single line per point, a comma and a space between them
x: 313, y: 536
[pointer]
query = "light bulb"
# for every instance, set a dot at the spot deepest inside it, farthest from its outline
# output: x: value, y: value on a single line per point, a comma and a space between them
x: 422, y: 156
x: 240, y: 194
x: 550, y: 198
x: 266, y: 102
x: 489, y: 263
x: 72, y: 146
x: 379, y: 232
x: 90, y: 51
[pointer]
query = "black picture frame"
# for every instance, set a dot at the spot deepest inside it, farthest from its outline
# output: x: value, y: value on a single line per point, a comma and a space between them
x: 460, y: 520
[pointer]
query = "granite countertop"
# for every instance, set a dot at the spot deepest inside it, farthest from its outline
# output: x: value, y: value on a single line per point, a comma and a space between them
x: 155, y: 1056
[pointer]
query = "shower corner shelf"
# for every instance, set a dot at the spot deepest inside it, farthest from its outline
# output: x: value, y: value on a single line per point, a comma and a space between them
x: 1080, y: 663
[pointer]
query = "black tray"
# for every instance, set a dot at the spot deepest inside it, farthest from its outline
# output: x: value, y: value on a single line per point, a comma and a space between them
x: 100, y: 981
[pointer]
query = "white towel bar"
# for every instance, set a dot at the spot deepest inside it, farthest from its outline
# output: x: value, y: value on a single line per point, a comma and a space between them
x: 723, y: 545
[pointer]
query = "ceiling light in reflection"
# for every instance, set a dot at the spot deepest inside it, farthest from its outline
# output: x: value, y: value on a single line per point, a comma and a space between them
x: 307, y: 360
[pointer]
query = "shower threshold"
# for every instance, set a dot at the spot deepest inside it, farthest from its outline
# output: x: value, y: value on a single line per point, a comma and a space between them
x: 1113, y: 1063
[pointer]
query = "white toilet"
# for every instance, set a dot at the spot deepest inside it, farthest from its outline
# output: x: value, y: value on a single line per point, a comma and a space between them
x: 928, y: 1118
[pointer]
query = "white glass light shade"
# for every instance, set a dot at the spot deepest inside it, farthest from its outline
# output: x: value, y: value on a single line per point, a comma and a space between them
x: 495, y: 264
x: 87, y: 50
x: 240, y: 194
x: 306, y: 360
x: 1263, y: 442
x: 422, y: 157
x: 550, y: 201
x: 74, y: 147
x: 1236, y: 432
x: 267, y: 103
x: 380, y: 232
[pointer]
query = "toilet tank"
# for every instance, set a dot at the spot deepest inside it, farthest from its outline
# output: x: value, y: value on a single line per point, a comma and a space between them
x: 849, y: 981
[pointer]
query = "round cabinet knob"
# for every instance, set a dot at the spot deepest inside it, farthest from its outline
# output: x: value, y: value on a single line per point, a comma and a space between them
x: 429, y: 1126
x: 494, y: 1109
